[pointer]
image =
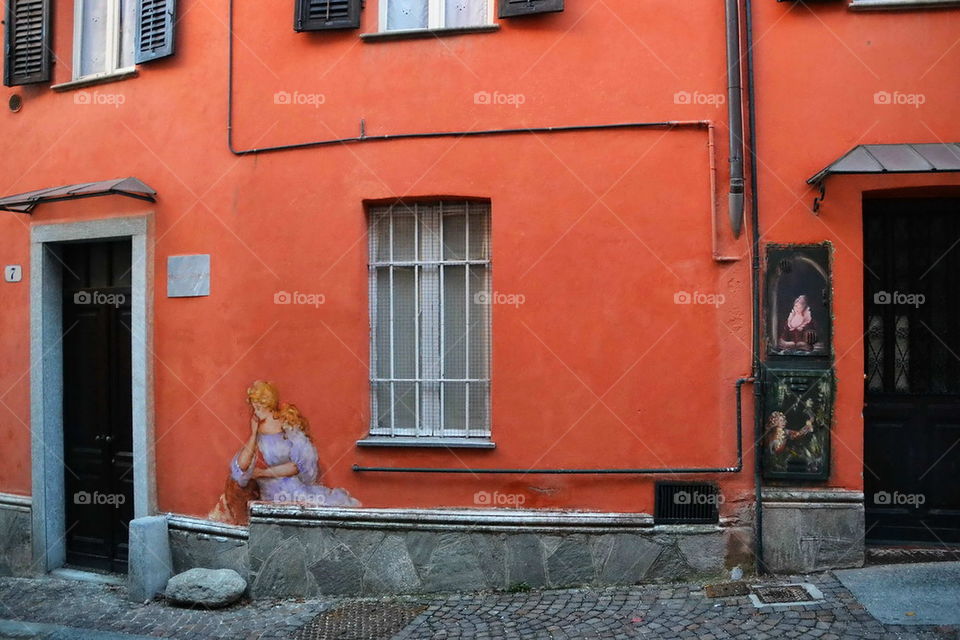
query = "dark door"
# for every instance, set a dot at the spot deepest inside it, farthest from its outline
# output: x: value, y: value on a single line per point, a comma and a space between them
x: 912, y: 345
x: 97, y: 410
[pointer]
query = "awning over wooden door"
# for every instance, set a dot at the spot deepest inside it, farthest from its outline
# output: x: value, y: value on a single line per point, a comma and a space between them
x: 894, y: 158
x: 130, y: 187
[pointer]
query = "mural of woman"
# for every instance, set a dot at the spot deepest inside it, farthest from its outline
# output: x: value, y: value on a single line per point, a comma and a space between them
x: 799, y: 331
x: 278, y: 457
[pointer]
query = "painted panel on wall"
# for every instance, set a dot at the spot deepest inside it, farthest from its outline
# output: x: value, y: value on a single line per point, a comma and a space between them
x: 798, y: 300
x: 799, y: 413
x: 277, y: 463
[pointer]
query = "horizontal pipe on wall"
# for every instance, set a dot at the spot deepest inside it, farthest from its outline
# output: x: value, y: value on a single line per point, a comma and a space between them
x: 543, y: 471
x: 505, y: 471
x: 665, y: 124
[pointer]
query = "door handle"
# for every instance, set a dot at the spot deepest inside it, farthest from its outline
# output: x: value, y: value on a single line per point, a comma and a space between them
x: 104, y: 438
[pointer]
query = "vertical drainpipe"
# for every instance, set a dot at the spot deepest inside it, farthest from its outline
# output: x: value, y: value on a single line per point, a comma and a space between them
x: 735, y: 116
x: 735, y: 119
x: 755, y: 264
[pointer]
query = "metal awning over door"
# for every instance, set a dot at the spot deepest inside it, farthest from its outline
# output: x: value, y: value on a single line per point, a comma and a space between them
x: 130, y: 187
x: 894, y: 158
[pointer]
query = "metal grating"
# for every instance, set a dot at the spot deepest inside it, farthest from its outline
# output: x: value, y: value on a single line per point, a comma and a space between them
x: 778, y: 594
x: 686, y: 503
x: 361, y: 621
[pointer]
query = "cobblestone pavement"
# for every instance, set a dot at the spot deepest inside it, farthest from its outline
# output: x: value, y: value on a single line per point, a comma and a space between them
x: 651, y: 611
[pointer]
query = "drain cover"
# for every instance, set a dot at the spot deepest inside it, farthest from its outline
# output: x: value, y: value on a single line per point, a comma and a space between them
x: 360, y: 621
x: 776, y: 594
x: 726, y: 589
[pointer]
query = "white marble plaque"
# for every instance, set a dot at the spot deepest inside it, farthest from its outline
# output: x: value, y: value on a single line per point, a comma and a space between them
x: 188, y: 276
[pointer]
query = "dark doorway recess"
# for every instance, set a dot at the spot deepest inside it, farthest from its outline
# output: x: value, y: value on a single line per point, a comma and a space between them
x: 97, y: 409
x: 912, y: 360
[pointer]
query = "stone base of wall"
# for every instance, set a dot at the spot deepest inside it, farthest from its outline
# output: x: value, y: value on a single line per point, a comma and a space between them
x: 300, y: 551
x: 15, y: 527
x: 210, y: 545
x: 806, y: 531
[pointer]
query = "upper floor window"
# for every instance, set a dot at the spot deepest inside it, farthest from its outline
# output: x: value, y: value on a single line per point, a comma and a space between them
x: 103, y: 37
x: 430, y: 320
x: 434, y: 14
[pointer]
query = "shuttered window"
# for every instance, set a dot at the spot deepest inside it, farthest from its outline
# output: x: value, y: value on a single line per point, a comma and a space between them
x: 513, y: 8
x: 430, y: 320
x: 110, y: 36
x: 320, y: 15
x: 398, y: 15
x: 27, y: 54
x: 155, y: 26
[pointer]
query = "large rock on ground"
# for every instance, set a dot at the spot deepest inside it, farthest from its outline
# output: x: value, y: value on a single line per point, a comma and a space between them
x: 206, y: 587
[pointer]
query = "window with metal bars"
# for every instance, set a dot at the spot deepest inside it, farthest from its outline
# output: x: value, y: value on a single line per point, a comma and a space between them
x: 430, y: 320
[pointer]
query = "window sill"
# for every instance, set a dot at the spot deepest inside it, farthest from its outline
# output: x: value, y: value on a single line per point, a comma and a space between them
x: 101, y: 78
x: 409, y: 34
x: 872, y: 5
x: 433, y: 443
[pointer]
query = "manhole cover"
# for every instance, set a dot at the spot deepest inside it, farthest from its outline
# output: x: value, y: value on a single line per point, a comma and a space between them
x: 726, y: 589
x: 360, y: 621
x: 782, y: 593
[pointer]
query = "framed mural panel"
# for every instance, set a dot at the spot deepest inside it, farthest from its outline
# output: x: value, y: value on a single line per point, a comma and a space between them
x: 798, y: 415
x: 799, y: 318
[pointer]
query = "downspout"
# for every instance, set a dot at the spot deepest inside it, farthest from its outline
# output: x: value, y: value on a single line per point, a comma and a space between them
x: 735, y: 116
x: 755, y: 260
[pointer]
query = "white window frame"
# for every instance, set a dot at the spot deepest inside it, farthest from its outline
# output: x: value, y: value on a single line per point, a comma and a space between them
x: 436, y: 16
x: 429, y: 271
x: 114, y: 40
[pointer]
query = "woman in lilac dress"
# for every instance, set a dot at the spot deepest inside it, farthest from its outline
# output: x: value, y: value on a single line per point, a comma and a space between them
x: 280, y: 436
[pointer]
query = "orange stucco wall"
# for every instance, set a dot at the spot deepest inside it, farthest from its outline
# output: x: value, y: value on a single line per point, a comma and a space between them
x: 597, y: 230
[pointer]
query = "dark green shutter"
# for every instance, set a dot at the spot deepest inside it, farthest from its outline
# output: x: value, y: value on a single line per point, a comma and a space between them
x: 320, y: 15
x: 512, y: 8
x: 27, y: 45
x: 156, y: 24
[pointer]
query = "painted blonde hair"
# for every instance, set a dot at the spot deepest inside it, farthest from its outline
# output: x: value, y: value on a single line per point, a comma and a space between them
x: 291, y: 418
x: 265, y: 394
x: 777, y: 420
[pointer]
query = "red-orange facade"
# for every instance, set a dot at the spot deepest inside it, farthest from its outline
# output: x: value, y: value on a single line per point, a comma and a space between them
x: 620, y: 304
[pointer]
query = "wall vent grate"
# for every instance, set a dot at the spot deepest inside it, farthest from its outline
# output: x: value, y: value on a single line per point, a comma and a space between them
x: 686, y: 503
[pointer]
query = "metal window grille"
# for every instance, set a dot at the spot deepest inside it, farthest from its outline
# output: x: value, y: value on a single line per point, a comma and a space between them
x: 430, y: 319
